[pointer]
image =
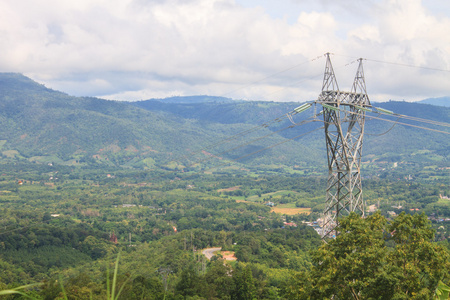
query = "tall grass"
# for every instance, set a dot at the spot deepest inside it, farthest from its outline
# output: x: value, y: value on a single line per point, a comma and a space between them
x: 111, y: 295
x: 110, y: 290
x: 17, y: 291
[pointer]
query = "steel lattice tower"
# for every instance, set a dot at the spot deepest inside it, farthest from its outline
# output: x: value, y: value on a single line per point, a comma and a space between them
x: 344, y: 115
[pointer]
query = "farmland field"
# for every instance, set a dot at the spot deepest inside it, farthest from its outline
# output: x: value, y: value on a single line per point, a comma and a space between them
x: 291, y: 211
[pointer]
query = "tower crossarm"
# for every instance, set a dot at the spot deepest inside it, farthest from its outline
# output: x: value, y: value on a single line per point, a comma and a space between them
x: 344, y: 98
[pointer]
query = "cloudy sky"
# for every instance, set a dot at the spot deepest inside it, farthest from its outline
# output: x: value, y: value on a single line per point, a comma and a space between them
x: 242, y: 49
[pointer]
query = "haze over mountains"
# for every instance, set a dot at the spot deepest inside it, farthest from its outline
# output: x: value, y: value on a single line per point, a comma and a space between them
x: 442, y: 101
x: 43, y: 125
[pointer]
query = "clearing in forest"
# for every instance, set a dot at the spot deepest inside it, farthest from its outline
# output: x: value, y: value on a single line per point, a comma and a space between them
x: 291, y: 211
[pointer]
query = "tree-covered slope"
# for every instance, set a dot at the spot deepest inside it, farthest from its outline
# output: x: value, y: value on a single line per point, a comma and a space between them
x: 391, y: 139
x: 40, y: 124
x: 37, y: 121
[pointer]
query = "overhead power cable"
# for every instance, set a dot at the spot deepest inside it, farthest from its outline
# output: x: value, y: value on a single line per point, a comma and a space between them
x: 437, y: 123
x: 416, y: 119
x: 253, y: 153
x: 386, y: 132
x: 309, y: 120
x: 277, y: 144
x: 279, y: 119
x: 272, y: 75
x: 387, y: 113
x: 220, y: 165
x: 235, y: 136
x: 309, y: 78
x: 253, y: 141
x: 20, y: 228
x: 396, y: 63
x: 411, y: 125
x: 406, y: 65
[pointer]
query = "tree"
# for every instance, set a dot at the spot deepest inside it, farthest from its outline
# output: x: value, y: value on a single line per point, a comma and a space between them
x: 144, y: 288
x: 351, y: 266
x: 188, y: 284
x: 417, y: 262
x: 358, y: 264
x: 244, y: 286
x: 219, y: 280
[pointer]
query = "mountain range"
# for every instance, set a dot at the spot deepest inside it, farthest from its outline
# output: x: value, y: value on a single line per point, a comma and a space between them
x: 441, y: 101
x: 43, y: 125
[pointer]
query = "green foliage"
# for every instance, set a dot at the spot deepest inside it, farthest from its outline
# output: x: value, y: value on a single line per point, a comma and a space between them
x: 244, y: 285
x: 357, y: 263
x: 351, y: 266
x: 418, y: 263
x: 442, y: 291
x: 64, y: 229
x: 111, y: 291
x: 18, y: 291
x: 44, y: 126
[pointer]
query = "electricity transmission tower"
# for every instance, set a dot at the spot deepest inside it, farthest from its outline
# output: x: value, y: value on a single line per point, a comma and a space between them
x: 344, y: 115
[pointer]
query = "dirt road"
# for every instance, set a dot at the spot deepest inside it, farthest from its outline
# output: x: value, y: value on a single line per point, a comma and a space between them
x: 209, y: 252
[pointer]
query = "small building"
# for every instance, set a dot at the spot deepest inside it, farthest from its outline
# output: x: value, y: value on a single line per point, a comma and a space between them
x: 372, y: 208
x: 290, y: 224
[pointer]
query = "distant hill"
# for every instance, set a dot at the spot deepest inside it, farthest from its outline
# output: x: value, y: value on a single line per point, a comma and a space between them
x: 194, y: 99
x: 396, y: 142
x: 385, y: 140
x: 42, y: 125
x: 442, y: 101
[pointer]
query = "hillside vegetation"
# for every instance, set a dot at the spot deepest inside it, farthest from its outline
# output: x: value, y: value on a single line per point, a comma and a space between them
x: 43, y: 125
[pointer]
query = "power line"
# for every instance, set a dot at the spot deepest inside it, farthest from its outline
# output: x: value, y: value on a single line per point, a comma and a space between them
x: 309, y: 78
x: 405, y: 117
x: 406, y: 65
x: 277, y: 144
x: 279, y: 119
x: 387, y: 131
x: 220, y: 165
x: 272, y: 75
x: 437, y: 123
x: 256, y: 139
x: 255, y: 152
x: 397, y: 64
x: 235, y: 136
x: 20, y: 228
x: 416, y: 119
x: 309, y: 120
x: 411, y: 125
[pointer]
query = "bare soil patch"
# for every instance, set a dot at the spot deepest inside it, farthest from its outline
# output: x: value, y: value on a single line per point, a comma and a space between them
x: 228, y: 255
x: 234, y: 188
x: 291, y: 211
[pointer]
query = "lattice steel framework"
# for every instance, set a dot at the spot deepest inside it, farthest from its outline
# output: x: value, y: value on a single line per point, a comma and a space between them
x: 344, y: 117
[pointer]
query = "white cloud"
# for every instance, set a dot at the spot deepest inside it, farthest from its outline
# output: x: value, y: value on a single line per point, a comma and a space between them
x: 140, y: 48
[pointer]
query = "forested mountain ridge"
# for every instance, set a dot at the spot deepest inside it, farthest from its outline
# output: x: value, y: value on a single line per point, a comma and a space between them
x: 43, y: 125
x: 37, y: 122
x: 384, y: 140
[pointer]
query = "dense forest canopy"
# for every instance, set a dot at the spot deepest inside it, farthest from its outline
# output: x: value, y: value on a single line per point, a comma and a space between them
x: 76, y: 225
